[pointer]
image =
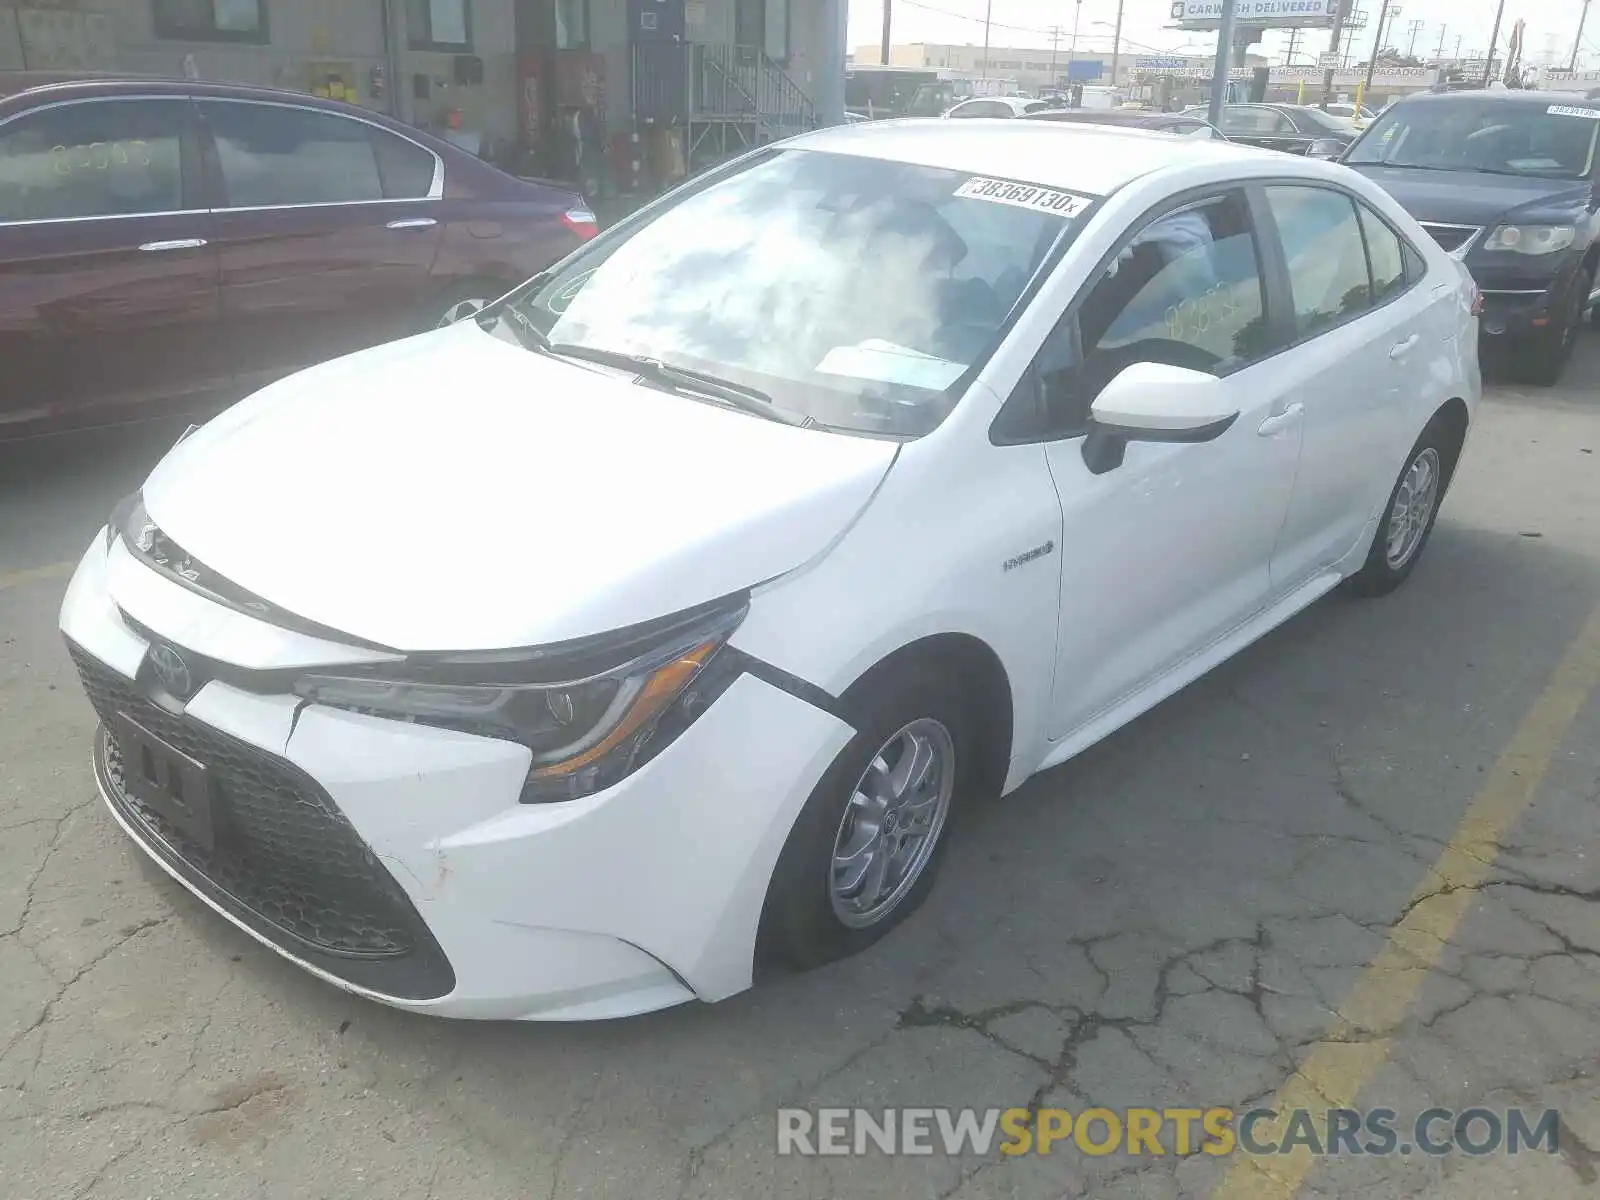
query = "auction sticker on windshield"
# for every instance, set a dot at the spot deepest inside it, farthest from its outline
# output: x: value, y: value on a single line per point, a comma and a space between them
x: 1571, y: 110
x: 1024, y: 195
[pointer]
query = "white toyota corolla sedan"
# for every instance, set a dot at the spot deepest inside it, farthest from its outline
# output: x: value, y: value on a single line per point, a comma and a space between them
x: 656, y: 621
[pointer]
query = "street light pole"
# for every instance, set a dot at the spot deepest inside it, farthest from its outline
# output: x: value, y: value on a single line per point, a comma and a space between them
x: 1116, y: 44
x: 1219, y: 72
x: 1583, y: 15
x: 1377, y: 43
x: 988, y: 11
x: 1333, y: 48
x: 1488, y: 61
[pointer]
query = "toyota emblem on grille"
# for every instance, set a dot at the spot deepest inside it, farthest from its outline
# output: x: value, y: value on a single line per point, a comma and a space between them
x: 171, y: 670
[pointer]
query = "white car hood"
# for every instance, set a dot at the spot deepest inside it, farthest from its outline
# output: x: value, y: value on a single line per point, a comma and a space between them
x: 456, y: 492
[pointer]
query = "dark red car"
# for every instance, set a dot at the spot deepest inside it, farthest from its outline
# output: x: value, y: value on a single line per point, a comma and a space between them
x: 164, y: 244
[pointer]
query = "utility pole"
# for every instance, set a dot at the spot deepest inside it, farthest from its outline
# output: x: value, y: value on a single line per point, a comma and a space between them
x: 1583, y: 15
x: 1333, y: 48
x: 888, y: 14
x: 1294, y: 46
x: 1488, y: 59
x: 988, y: 12
x: 1072, y: 51
x: 1055, y: 39
x: 1377, y: 44
x: 1439, y: 53
x: 1219, y: 72
x: 1457, y: 55
x: 1116, y: 44
x: 1415, y: 28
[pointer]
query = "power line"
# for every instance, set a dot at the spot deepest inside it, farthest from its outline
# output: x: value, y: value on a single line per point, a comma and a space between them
x: 945, y: 12
x: 1044, y: 33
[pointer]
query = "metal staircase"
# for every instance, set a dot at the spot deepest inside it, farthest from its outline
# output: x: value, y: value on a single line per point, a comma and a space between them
x: 728, y: 98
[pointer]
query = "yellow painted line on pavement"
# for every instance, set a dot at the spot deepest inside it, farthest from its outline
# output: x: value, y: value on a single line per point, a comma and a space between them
x: 1339, y: 1065
x: 11, y: 579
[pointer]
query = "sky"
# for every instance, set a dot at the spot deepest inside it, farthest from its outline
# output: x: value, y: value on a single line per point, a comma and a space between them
x: 1551, y: 26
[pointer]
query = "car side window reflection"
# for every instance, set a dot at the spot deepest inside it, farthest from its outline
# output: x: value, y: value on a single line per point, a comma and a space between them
x: 112, y: 158
x: 1385, y: 253
x: 1326, y: 255
x: 1185, y: 290
x: 272, y: 154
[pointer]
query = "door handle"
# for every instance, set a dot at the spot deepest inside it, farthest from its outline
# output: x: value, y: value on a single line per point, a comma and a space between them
x: 1280, y: 421
x: 176, y: 244
x: 1401, y: 349
x: 412, y: 223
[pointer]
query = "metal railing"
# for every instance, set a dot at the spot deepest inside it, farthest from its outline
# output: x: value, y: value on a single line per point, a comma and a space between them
x: 699, y: 83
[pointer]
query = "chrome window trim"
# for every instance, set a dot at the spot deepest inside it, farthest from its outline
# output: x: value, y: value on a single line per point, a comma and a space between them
x: 435, y: 187
x: 149, y: 216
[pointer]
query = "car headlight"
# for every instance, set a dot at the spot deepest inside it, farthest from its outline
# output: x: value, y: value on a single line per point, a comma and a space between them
x: 1531, y: 239
x: 586, y: 731
x: 131, y: 523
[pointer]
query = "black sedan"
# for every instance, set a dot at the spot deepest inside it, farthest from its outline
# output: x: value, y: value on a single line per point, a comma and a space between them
x: 1180, y: 124
x: 1291, y: 128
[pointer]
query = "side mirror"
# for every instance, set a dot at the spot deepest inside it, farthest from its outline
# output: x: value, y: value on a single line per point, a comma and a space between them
x: 1154, y: 402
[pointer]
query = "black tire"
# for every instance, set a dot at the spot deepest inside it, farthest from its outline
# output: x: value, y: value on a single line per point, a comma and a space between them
x: 444, y: 307
x: 1542, y: 358
x: 1379, y: 575
x: 800, y: 928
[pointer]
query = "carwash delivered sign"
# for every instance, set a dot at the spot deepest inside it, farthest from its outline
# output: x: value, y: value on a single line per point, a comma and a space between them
x: 1207, y: 14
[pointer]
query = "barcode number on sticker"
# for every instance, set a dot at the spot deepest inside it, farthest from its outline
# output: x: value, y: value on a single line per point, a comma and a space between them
x: 1569, y: 110
x: 1023, y: 195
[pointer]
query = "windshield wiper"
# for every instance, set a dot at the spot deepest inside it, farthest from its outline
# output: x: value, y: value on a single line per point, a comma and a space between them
x: 522, y: 328
x: 1402, y: 166
x: 683, y: 380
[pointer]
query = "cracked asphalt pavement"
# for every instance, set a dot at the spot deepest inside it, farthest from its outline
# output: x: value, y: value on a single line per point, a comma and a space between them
x: 1196, y: 912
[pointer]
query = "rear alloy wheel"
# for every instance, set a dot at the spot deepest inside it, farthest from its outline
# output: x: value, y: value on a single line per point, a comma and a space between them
x: 865, y: 848
x: 1542, y: 359
x: 1408, y: 521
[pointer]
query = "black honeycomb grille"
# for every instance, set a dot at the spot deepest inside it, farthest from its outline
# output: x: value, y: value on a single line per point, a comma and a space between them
x: 1451, y: 237
x: 285, y: 857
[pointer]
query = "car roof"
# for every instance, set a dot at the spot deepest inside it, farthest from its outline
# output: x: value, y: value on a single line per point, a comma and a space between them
x: 13, y: 83
x: 1078, y: 155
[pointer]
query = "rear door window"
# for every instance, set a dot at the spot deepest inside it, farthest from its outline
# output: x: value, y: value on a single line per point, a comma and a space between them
x: 273, y: 155
x: 100, y: 158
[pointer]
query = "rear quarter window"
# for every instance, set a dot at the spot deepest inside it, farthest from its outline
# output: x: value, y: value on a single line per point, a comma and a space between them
x: 404, y: 168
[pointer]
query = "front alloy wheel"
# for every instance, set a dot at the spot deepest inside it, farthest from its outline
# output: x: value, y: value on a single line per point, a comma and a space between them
x: 862, y: 855
x: 892, y: 823
x: 1542, y: 358
x: 461, y: 309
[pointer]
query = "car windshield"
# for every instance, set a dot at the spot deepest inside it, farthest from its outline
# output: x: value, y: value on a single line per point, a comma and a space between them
x: 1551, y: 141
x: 856, y: 292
